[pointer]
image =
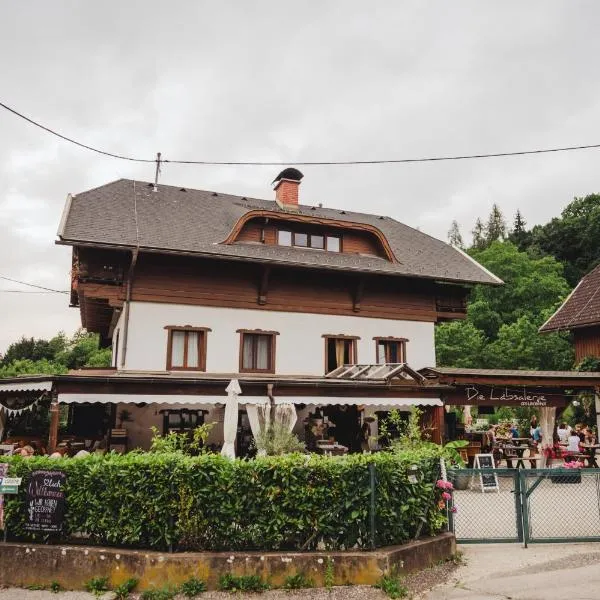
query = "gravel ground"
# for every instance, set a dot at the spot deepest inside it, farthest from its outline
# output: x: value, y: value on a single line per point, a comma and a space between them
x: 417, y: 584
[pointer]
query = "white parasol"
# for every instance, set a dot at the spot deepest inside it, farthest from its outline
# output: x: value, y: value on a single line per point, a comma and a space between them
x: 230, y: 421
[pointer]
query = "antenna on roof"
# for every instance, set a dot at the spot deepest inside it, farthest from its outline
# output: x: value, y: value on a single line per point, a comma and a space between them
x: 157, y: 172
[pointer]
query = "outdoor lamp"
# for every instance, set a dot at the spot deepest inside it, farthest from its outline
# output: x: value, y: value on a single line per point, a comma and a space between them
x: 413, y: 473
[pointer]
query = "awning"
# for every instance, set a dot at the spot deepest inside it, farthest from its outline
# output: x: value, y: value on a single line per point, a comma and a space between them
x: 368, y: 401
x: 26, y: 386
x: 153, y: 399
x: 197, y: 399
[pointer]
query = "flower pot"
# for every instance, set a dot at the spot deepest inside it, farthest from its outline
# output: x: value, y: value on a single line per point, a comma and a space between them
x: 460, y: 480
x: 567, y: 476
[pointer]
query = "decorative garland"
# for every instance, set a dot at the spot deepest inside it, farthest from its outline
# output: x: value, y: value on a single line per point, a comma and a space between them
x: 9, y: 405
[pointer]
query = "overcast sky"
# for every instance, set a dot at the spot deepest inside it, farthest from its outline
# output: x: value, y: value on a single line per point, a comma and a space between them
x: 287, y: 81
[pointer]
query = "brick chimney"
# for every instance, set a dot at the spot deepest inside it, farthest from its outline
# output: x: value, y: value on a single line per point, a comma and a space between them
x: 286, y: 188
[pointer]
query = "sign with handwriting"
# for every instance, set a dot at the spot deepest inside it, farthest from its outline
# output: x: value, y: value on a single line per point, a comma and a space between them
x: 45, y: 502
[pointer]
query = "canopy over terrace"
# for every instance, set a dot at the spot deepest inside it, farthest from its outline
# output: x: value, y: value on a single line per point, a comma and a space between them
x: 397, y: 387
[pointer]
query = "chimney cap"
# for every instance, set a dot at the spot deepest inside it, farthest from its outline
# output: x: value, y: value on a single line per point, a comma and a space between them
x: 289, y: 173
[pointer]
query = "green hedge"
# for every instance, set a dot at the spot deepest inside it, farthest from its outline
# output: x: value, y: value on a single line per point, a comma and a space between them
x: 213, y: 503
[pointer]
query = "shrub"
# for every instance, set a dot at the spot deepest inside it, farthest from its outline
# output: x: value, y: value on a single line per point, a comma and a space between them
x: 298, y: 581
x: 122, y: 591
x: 192, y: 587
x: 392, y: 586
x: 55, y: 587
x: 165, y: 593
x: 242, y: 583
x: 96, y: 585
x: 209, y: 502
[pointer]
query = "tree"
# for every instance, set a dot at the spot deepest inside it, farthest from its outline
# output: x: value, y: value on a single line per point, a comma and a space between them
x: 501, y: 328
x: 496, y: 226
x: 46, y: 357
x: 479, y: 241
x: 454, y: 236
x: 571, y: 238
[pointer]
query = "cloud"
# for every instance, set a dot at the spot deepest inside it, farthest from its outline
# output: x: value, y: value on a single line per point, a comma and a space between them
x: 271, y: 80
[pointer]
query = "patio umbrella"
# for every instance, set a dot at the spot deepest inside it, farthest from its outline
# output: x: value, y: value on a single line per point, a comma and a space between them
x: 547, y: 418
x: 230, y: 421
x: 285, y: 415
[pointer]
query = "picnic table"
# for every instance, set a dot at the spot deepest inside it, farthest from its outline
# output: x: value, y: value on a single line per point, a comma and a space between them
x: 515, y: 452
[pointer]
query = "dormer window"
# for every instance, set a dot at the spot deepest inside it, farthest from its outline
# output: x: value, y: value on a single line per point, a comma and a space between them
x: 316, y: 241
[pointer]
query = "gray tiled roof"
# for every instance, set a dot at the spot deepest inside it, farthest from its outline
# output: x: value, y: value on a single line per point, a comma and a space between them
x: 198, y: 221
x: 458, y: 371
x: 581, y: 308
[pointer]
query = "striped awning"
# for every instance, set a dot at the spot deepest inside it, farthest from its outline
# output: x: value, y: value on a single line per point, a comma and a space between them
x: 44, y: 385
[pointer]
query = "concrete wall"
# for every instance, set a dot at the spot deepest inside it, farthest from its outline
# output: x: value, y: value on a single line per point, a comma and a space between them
x: 71, y: 566
x: 299, y: 348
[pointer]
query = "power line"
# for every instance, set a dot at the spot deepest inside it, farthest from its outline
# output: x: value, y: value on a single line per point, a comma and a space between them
x: 34, y: 285
x: 304, y: 163
x: 26, y: 292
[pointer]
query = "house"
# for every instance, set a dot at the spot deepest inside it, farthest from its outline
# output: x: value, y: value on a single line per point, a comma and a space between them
x: 330, y: 310
x: 580, y: 314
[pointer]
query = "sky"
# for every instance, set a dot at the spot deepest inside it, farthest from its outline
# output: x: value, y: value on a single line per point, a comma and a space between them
x: 289, y: 81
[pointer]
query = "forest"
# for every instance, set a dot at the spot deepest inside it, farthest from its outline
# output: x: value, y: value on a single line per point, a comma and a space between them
x: 539, y: 266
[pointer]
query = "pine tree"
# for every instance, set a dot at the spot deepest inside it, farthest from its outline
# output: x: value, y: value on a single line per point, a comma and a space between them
x: 454, y: 236
x: 496, y: 226
x: 519, y: 223
x: 478, y: 232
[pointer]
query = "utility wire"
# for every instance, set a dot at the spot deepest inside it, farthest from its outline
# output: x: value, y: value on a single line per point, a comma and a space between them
x: 34, y: 285
x: 26, y: 292
x: 303, y: 163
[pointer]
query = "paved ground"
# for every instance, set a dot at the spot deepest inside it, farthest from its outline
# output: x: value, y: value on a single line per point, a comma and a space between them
x: 540, y: 572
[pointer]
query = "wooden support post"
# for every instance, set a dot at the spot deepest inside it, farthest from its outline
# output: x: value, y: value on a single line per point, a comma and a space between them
x: 54, y: 418
x: 263, y: 288
x: 437, y: 435
x: 358, y: 294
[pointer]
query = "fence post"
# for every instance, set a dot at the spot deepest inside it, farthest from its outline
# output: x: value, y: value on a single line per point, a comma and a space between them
x: 518, y: 491
x: 372, y: 482
x: 524, y: 507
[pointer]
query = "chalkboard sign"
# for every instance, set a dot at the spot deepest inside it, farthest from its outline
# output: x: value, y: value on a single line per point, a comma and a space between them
x: 488, y: 480
x: 45, y: 501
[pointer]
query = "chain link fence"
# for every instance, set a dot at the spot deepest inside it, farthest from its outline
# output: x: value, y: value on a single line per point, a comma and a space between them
x: 526, y: 505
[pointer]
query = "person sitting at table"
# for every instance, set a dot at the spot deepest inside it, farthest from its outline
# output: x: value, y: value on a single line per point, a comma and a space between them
x: 573, y: 442
x: 26, y: 451
x: 514, y: 432
x: 563, y: 433
x: 59, y: 452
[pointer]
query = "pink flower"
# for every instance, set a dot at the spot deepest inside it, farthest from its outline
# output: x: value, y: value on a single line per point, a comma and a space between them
x: 449, y: 485
x: 453, y: 509
x: 446, y: 496
x: 444, y: 485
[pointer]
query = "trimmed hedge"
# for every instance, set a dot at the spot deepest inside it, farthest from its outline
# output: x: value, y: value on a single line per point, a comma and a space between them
x: 291, y: 502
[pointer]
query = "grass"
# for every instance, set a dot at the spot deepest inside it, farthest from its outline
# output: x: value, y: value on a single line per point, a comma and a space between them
x: 298, y: 581
x: 242, y: 583
x: 55, y: 587
x: 192, y: 587
x: 97, y: 585
x: 392, y: 586
x: 329, y: 577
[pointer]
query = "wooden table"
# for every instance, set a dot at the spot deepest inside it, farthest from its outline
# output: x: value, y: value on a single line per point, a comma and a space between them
x: 519, y: 450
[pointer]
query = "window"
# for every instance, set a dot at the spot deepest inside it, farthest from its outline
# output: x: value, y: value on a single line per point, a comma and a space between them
x: 390, y: 350
x: 316, y: 241
x: 284, y: 238
x: 257, y: 351
x: 339, y: 350
x: 333, y: 244
x: 186, y: 348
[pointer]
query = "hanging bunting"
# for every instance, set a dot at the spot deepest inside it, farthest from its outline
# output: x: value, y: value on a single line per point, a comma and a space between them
x: 18, y: 405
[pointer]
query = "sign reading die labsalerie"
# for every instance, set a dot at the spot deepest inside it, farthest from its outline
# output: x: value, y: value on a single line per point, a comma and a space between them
x: 45, y: 501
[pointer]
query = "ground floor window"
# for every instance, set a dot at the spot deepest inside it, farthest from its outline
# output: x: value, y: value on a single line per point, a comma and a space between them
x: 390, y: 350
x: 339, y: 351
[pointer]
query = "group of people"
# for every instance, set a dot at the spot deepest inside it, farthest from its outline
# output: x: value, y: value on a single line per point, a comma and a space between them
x: 573, y: 437
x: 64, y: 450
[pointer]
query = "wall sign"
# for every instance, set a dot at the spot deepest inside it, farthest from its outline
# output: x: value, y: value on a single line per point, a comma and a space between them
x: 45, y: 501
x: 504, y: 396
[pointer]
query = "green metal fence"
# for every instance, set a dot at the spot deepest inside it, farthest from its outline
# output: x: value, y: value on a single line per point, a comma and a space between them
x: 526, y: 505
